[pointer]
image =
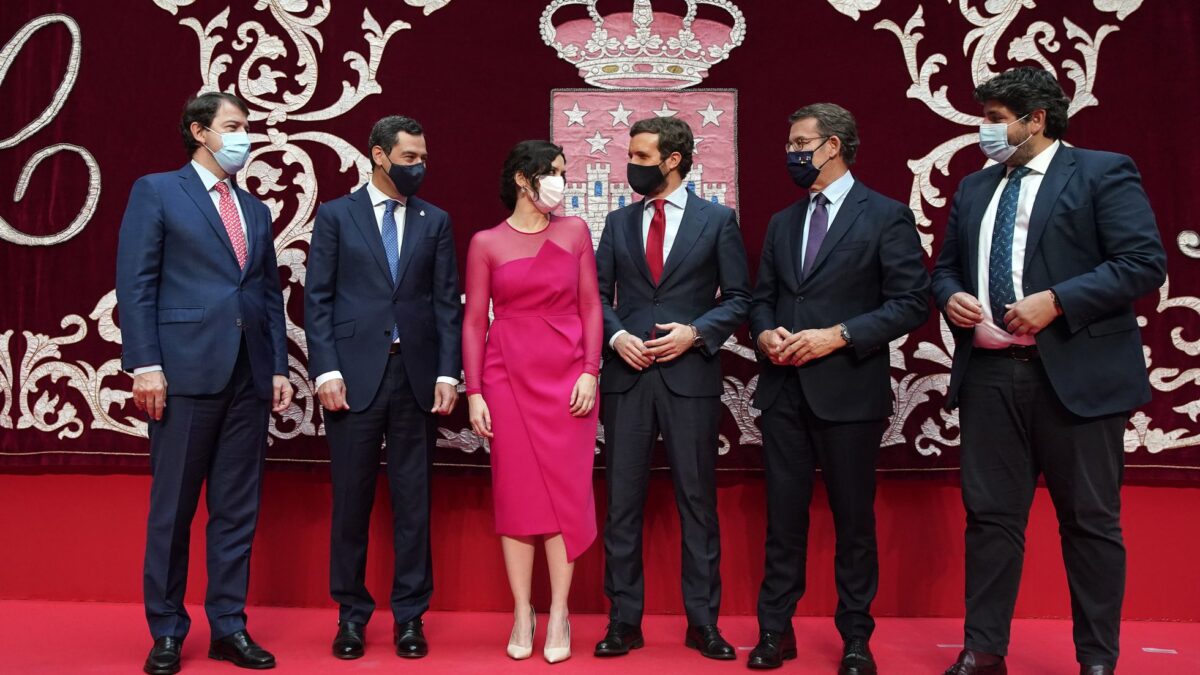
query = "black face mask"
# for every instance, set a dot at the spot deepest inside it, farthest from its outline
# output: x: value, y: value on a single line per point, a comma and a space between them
x: 800, y: 166
x: 645, y: 179
x: 407, y: 177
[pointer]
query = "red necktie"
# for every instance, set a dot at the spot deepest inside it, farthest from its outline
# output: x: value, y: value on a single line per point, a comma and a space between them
x: 655, y: 238
x: 233, y: 224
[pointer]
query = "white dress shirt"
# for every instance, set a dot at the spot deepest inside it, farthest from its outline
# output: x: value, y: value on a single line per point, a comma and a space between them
x: 379, y: 205
x: 210, y: 182
x: 836, y: 193
x: 676, y: 202
x: 987, y: 334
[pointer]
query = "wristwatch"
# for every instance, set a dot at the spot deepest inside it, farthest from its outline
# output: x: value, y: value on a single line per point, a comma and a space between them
x: 697, y: 336
x: 845, y: 334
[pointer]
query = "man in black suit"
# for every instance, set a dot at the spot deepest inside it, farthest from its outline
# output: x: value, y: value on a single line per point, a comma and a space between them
x: 384, y: 326
x: 842, y: 274
x: 661, y: 262
x: 1044, y: 254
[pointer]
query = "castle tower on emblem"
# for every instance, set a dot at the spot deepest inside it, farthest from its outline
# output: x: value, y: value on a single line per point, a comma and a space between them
x: 641, y: 63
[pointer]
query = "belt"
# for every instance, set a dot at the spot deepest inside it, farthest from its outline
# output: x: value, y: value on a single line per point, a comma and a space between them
x: 394, y: 348
x: 1014, y: 352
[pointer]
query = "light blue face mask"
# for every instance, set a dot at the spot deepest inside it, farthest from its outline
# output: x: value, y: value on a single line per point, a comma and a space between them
x: 993, y: 140
x: 235, y: 150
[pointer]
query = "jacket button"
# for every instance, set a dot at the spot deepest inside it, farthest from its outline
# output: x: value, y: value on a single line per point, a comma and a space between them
x: 395, y: 302
x: 239, y: 323
x: 387, y: 333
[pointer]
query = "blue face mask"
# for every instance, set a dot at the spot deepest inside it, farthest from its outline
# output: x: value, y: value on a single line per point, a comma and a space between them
x: 407, y: 177
x: 993, y: 141
x: 800, y: 165
x: 235, y: 150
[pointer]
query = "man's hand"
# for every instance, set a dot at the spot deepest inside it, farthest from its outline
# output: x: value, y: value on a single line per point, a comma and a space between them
x: 150, y: 393
x: 814, y: 343
x: 633, y: 351
x: 479, y: 415
x: 282, y: 396
x: 333, y: 395
x: 964, y: 310
x: 678, y: 340
x: 1030, y: 315
x: 771, y: 343
x: 445, y: 395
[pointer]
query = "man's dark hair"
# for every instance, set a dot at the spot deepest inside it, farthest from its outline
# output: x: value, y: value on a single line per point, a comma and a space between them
x: 1023, y: 90
x: 832, y: 120
x: 385, y: 130
x: 532, y: 159
x: 203, y: 109
x: 674, y: 135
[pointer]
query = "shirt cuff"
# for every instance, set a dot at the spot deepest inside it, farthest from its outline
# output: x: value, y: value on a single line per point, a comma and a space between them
x: 147, y: 369
x: 331, y: 375
x: 448, y: 380
x: 612, y: 342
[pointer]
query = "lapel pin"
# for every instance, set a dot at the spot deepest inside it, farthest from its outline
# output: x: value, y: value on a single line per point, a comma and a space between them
x: 422, y: 213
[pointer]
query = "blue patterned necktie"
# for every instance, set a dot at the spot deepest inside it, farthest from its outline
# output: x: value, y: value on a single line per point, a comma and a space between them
x: 1000, y: 272
x: 818, y: 226
x: 391, y: 246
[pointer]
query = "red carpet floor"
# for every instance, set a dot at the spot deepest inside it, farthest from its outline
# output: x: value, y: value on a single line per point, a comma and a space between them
x: 46, y: 637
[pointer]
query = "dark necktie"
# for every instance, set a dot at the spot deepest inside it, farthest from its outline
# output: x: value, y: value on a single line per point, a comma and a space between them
x: 818, y: 226
x: 1000, y: 271
x: 655, y: 240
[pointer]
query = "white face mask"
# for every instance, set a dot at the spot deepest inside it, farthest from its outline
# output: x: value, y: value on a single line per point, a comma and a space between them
x: 993, y: 140
x: 549, y: 194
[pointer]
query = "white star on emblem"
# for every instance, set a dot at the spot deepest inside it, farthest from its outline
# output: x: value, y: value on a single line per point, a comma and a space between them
x: 575, y: 115
x: 620, y: 115
x: 598, y: 143
x: 710, y: 115
x: 665, y: 111
x: 696, y: 143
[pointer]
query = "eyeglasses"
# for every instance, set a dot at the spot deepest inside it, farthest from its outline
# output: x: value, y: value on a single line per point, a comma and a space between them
x: 799, y: 144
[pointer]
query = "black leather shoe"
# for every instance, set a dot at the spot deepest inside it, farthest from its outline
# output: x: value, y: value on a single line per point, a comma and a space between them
x: 349, y: 642
x: 772, y: 650
x: 1087, y: 670
x: 971, y: 662
x: 856, y: 658
x: 619, y: 638
x: 164, y: 656
x: 410, y: 639
x: 708, y: 640
x: 242, y: 651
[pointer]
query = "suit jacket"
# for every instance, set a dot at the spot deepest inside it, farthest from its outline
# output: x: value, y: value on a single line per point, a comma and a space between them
x: 183, y: 302
x: 350, y: 303
x: 707, y: 255
x: 1094, y: 241
x: 868, y: 274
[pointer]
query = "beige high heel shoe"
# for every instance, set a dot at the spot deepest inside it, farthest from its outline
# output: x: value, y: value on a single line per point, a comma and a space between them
x: 520, y: 652
x: 559, y: 654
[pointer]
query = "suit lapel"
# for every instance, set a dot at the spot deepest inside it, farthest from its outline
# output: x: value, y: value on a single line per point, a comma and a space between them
x: 974, y: 220
x: 194, y: 188
x: 414, y: 225
x: 1061, y: 168
x: 634, y: 244
x: 846, y: 217
x: 695, y: 220
x: 795, y: 239
x: 362, y: 212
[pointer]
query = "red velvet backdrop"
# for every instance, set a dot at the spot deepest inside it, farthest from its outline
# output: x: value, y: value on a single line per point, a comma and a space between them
x: 95, y: 91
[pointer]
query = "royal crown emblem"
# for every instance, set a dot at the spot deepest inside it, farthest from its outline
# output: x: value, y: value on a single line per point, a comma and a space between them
x: 643, y: 48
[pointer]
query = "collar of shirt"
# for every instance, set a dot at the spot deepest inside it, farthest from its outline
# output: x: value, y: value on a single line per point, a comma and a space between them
x: 208, y: 178
x: 836, y: 191
x: 378, y: 198
x: 678, y: 198
x: 1041, y: 162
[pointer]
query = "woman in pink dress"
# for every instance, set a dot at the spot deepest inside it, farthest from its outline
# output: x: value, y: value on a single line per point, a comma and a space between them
x: 531, y: 382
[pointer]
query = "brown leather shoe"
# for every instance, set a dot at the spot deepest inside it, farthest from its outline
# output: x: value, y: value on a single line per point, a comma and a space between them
x: 971, y: 662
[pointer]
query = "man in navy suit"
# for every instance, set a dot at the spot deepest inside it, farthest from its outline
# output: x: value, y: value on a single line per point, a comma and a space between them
x: 1043, y: 256
x: 661, y: 262
x: 384, y: 325
x: 202, y: 330
x: 842, y: 274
